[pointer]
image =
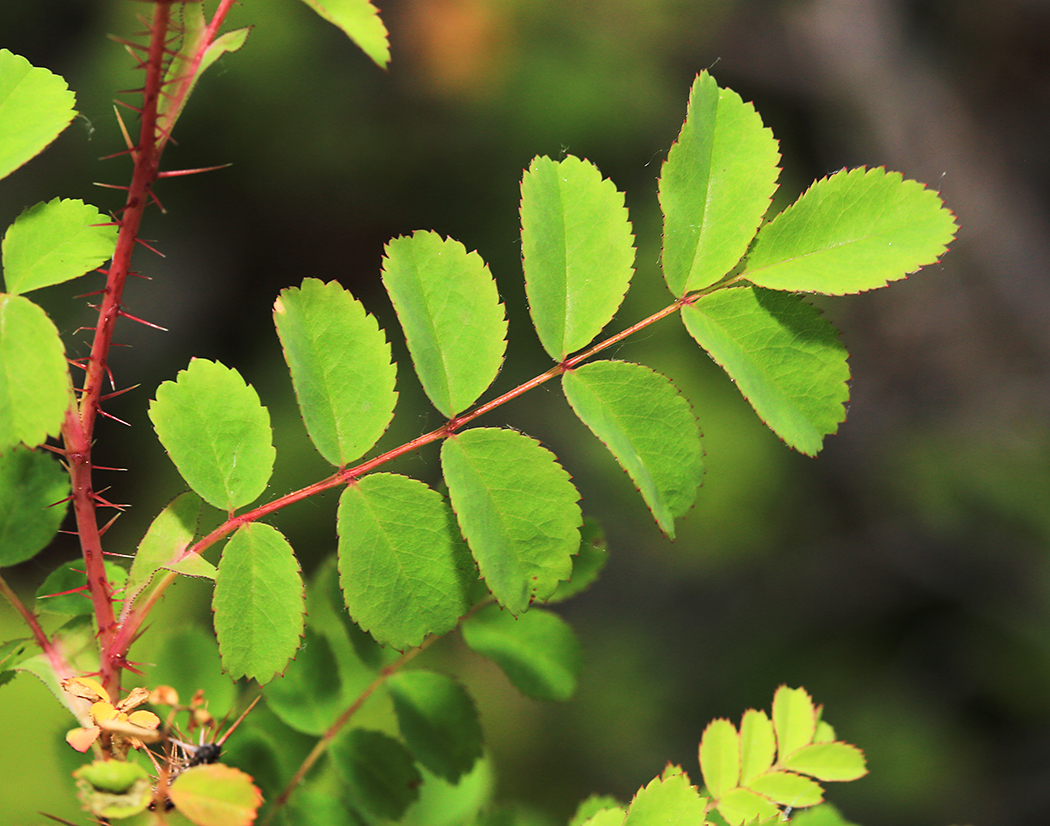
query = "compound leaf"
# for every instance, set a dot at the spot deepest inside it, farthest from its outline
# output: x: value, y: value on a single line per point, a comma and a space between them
x: 33, y: 487
x: 340, y: 365
x: 404, y: 570
x: 577, y: 249
x: 53, y: 242
x: 517, y: 509
x: 538, y: 651
x: 35, y: 106
x: 359, y: 20
x: 648, y: 426
x: 715, y: 186
x: 216, y: 432
x: 379, y: 770
x: 438, y: 720
x: 720, y: 757
x: 785, y: 358
x: 668, y: 800
x: 854, y: 231
x: 258, y: 603
x: 454, y: 324
x: 35, y: 389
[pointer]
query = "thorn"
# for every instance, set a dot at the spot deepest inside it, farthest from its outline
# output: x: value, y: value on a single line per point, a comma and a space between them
x: 151, y: 249
x: 64, y: 593
x: 88, y: 295
x: 156, y: 200
x: 114, y: 418
x: 113, y: 395
x: 124, y: 132
x: 129, y: 43
x: 130, y: 317
x: 134, y: 109
x: 111, y: 186
x: 118, y: 154
x: 179, y: 172
x: 60, y: 502
x: 79, y: 329
x: 100, y: 467
x: 106, y: 504
x: 140, y: 275
x: 107, y: 224
x: 61, y: 451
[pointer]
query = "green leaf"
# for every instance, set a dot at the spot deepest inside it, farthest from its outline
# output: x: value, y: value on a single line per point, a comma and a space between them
x: 187, y: 659
x: 340, y: 365
x: 740, y: 806
x: 788, y: 789
x: 442, y: 803
x: 216, y: 432
x: 168, y: 536
x: 359, y: 20
x: 758, y: 745
x: 258, y: 603
x: 794, y: 718
x: 454, y: 324
x: 720, y: 757
x: 828, y: 761
x: 438, y: 720
x: 715, y: 186
x: 53, y: 242
x: 32, y: 489
x: 589, y: 810
x: 35, y: 106
x: 35, y: 388
x: 404, y: 570
x: 216, y: 795
x: 578, y: 251
x: 379, y: 771
x: 854, y: 231
x: 785, y: 358
x: 823, y: 815
x: 517, y: 509
x: 587, y: 564
x: 538, y: 651
x: 648, y: 426
x: 12, y: 654
x: 70, y: 576
x: 669, y: 800
x: 113, y: 788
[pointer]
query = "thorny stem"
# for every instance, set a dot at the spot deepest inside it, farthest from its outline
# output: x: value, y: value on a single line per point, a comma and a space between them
x: 58, y: 662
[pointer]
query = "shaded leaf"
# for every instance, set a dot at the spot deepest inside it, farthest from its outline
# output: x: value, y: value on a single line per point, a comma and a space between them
x: 53, y: 242
x: 538, y: 651
x: 216, y: 432
x: 380, y: 773
x: 715, y: 186
x: 216, y: 795
x: 68, y: 577
x: 359, y: 20
x: 517, y: 509
x: 35, y: 388
x: 187, y: 659
x: 32, y: 487
x: 669, y: 800
x: 786, y: 359
x: 340, y: 365
x: 454, y: 323
x: 577, y: 251
x: 258, y: 603
x: 587, y: 564
x: 168, y: 535
x: 438, y: 720
x: 828, y: 761
x: 404, y: 570
x: 720, y: 757
x: 854, y: 231
x: 442, y: 803
x: 35, y: 106
x: 589, y: 812
x: 648, y: 426
x: 113, y: 788
x: 823, y: 815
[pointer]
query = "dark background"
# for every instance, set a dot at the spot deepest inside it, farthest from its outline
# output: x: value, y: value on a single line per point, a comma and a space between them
x: 902, y: 577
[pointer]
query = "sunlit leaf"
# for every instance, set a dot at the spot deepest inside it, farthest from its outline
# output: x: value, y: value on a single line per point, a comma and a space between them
x: 758, y: 745
x: 35, y: 106
x: 740, y: 806
x: 216, y: 795
x: 340, y: 365
x: 784, y: 356
x: 715, y: 186
x: 854, y: 231
x: 379, y: 771
x: 538, y: 651
x: 577, y: 249
x: 170, y: 533
x: 438, y: 720
x: 648, y: 426
x: 454, y: 323
x: 359, y: 20
x: 517, y: 509
x: 216, y: 432
x: 794, y: 719
x: 669, y: 800
x: 32, y: 488
x: 828, y: 761
x: 403, y: 567
x: 788, y: 788
x: 35, y: 389
x: 258, y: 603
x: 720, y: 757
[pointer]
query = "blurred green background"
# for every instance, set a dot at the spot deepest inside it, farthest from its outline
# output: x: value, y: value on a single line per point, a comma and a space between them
x: 902, y: 577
